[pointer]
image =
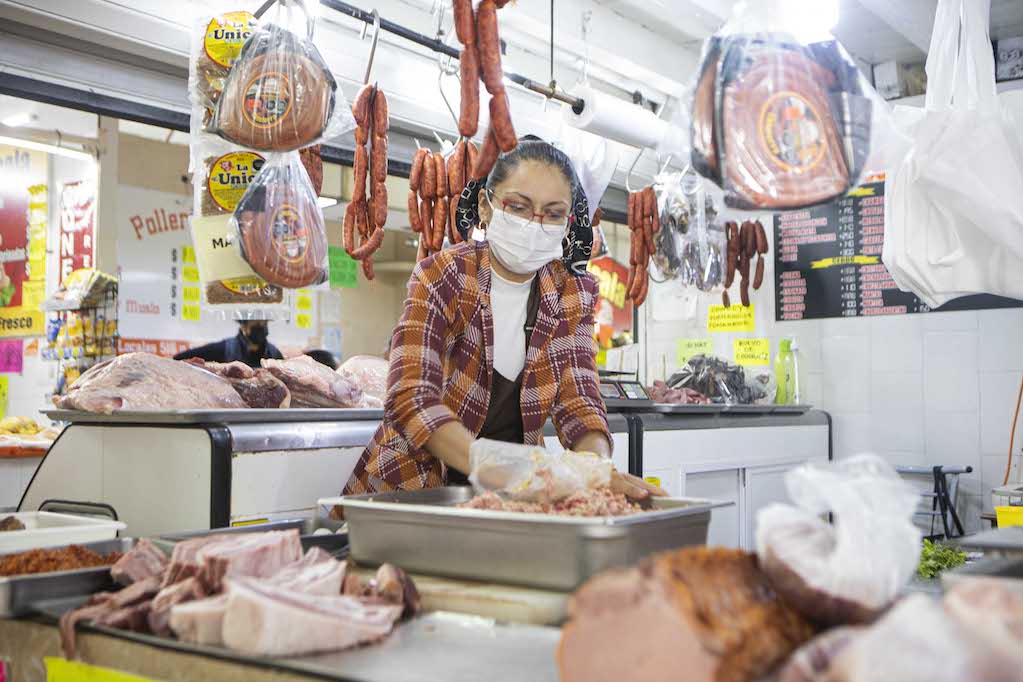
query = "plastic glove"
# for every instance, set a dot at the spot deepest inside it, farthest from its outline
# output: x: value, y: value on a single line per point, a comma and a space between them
x: 533, y: 474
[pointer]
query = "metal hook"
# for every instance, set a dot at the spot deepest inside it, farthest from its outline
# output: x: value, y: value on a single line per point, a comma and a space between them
x: 443, y: 96
x: 628, y: 176
x: 373, y: 46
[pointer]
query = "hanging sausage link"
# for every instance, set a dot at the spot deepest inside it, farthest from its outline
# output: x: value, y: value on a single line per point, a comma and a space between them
x: 366, y: 214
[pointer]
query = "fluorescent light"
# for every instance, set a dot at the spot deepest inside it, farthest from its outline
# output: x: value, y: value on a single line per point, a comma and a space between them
x: 325, y: 202
x: 48, y: 148
x: 17, y: 120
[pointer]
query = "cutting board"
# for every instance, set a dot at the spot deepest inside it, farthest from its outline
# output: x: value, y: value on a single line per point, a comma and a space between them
x: 503, y: 603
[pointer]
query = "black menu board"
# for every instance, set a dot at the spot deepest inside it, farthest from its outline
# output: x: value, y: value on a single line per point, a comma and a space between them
x: 827, y: 263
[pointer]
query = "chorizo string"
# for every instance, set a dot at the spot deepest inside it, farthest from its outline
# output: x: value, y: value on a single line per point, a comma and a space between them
x: 366, y: 215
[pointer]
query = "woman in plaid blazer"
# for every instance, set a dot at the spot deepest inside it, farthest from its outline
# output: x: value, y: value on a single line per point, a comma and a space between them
x: 443, y: 391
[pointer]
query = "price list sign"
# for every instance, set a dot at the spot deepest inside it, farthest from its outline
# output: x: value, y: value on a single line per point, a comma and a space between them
x: 827, y: 263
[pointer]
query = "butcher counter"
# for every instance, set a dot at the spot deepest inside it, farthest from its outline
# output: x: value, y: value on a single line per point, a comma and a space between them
x: 192, y: 470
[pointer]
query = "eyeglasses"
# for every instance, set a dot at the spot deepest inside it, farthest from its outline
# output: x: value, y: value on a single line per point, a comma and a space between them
x: 552, y: 221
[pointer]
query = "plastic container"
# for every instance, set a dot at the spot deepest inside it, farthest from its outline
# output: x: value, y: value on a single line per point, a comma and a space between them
x: 1009, y: 516
x: 49, y: 529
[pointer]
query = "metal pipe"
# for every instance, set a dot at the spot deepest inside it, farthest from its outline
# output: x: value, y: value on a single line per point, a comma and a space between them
x: 438, y: 45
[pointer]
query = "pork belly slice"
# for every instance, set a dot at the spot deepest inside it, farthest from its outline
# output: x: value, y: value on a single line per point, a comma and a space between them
x: 211, y: 558
x: 187, y: 590
x: 200, y: 622
x: 144, y: 560
x: 264, y: 620
x: 707, y: 614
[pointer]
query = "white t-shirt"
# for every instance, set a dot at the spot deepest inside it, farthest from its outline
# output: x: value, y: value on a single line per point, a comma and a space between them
x: 510, y: 304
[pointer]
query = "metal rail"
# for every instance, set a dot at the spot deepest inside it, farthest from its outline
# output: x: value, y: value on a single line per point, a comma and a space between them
x: 438, y: 45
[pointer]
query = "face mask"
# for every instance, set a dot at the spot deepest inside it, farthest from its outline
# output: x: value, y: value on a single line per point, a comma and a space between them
x: 522, y: 247
x: 257, y: 335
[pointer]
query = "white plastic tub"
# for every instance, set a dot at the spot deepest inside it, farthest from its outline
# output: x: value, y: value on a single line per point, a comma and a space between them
x: 49, y: 529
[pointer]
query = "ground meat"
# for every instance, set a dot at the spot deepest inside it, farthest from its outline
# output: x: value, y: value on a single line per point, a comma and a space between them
x: 46, y: 560
x: 599, y: 502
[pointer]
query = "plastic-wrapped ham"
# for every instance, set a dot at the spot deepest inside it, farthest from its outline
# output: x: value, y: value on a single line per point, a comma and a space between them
x: 147, y: 382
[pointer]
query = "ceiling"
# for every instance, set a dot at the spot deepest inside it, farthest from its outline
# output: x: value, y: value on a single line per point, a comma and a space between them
x: 873, y: 31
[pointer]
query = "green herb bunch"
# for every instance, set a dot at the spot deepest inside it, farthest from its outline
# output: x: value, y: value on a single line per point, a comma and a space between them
x: 937, y: 557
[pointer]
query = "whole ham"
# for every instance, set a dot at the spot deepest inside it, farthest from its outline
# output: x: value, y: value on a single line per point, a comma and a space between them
x: 698, y: 614
x: 257, y: 387
x: 147, y: 382
x: 315, y: 385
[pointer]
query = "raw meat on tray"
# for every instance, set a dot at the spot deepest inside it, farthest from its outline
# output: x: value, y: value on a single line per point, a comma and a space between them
x: 315, y: 385
x: 147, y: 382
x: 258, y: 387
x: 145, y: 560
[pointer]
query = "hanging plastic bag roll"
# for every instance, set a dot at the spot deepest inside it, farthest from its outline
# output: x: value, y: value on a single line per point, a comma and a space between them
x: 616, y: 119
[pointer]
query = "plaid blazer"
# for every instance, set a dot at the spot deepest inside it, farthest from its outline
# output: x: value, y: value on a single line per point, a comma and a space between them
x: 442, y: 363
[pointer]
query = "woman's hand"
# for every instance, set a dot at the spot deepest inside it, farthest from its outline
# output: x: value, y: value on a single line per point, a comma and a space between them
x: 634, y: 486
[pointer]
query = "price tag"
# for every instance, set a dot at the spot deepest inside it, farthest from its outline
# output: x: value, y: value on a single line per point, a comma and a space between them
x: 190, y: 312
x: 304, y: 301
x: 191, y: 294
x: 4, y: 383
x: 736, y: 318
x: 344, y: 271
x: 752, y: 352
x: 190, y: 273
x: 687, y: 348
x: 62, y: 670
x: 303, y: 321
x: 654, y: 480
x: 33, y: 293
x: 188, y: 254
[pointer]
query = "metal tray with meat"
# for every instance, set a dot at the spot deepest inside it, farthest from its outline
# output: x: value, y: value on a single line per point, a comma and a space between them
x: 19, y: 594
x: 424, y: 531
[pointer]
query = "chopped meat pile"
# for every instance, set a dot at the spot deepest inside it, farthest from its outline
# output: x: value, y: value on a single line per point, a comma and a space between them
x: 11, y: 523
x: 68, y: 558
x: 700, y: 614
x: 597, y: 502
x: 660, y: 392
x: 252, y: 592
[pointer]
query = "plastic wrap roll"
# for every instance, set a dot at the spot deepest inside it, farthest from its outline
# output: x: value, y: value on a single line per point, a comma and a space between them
x: 616, y: 119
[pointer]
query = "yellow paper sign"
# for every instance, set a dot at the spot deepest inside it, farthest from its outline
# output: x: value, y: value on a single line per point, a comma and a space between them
x: 653, y: 479
x: 736, y: 318
x: 190, y: 313
x: 687, y: 348
x: 190, y: 273
x: 752, y: 352
x: 187, y: 254
x: 191, y: 294
x: 303, y: 321
x: 37, y: 270
x: 4, y: 383
x: 63, y: 670
x: 33, y: 292
x: 304, y: 301
x: 21, y: 322
x: 217, y: 255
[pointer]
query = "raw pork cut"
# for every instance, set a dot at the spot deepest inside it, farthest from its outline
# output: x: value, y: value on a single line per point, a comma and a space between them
x: 709, y: 612
x: 200, y: 622
x: 144, y: 560
x: 263, y: 620
x: 147, y: 382
x: 211, y: 558
x: 597, y: 502
x: 257, y: 387
x: 315, y: 385
x: 369, y: 373
x: 102, y: 606
x: 187, y: 590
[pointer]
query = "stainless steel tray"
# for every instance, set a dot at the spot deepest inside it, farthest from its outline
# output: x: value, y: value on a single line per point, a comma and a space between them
x: 1006, y: 541
x: 18, y: 593
x: 720, y: 408
x: 217, y: 416
x: 423, y: 532
x: 335, y: 543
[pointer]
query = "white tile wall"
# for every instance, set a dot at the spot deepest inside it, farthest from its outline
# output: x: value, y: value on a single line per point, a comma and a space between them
x: 939, y: 388
x: 15, y: 474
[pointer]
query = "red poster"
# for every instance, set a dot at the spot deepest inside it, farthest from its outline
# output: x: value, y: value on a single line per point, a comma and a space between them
x: 77, y: 217
x: 14, y: 198
x: 614, y: 313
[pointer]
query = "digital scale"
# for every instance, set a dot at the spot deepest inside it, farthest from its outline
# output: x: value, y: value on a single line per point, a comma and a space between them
x: 619, y: 394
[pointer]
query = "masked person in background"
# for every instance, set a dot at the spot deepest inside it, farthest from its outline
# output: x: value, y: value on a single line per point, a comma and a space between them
x: 249, y: 346
x: 497, y: 335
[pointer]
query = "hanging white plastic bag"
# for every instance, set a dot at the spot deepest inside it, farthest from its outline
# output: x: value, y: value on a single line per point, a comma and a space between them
x: 954, y: 212
x: 280, y: 94
x: 530, y: 473
x: 844, y: 572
